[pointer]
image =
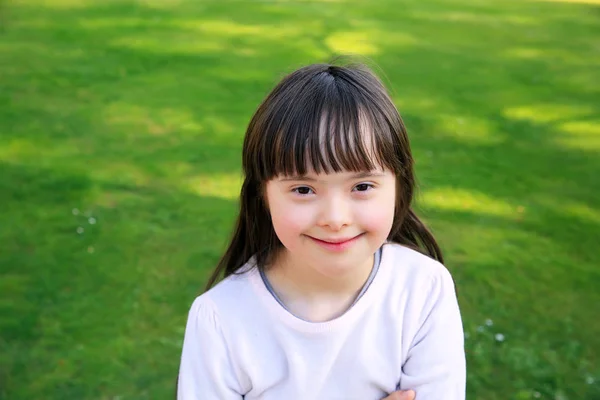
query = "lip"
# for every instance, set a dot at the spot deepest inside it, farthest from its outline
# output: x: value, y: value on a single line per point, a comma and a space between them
x: 336, y: 244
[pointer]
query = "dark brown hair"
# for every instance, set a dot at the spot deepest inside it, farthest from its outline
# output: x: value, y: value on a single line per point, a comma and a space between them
x: 325, y: 118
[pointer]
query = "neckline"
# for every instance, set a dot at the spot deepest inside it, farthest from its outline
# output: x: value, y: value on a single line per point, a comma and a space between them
x: 363, y: 289
x: 283, y: 315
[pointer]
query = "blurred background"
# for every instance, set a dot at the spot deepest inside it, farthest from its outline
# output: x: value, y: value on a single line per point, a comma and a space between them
x: 121, y: 124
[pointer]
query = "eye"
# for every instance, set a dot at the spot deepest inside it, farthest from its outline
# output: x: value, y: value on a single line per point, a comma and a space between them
x: 363, y: 187
x: 302, y: 190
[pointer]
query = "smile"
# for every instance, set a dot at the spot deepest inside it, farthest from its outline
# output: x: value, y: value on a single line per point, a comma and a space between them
x: 336, y: 244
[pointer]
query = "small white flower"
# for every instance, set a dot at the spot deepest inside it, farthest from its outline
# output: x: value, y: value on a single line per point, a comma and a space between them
x: 75, y: 211
x: 489, y: 322
x: 499, y: 337
x: 589, y: 380
x: 480, y: 329
x: 92, y: 220
x: 537, y: 395
x: 80, y: 230
x: 560, y: 396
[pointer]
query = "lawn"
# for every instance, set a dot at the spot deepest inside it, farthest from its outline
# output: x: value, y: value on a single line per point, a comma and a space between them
x: 120, y: 137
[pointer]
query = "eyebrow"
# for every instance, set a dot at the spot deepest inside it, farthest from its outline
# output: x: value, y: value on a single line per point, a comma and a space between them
x: 360, y: 175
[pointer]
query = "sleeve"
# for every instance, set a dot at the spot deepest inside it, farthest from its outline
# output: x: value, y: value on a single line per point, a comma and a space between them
x: 435, y: 366
x: 206, y: 370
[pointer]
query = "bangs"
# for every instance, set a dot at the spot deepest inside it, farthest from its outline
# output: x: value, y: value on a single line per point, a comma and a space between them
x: 325, y: 123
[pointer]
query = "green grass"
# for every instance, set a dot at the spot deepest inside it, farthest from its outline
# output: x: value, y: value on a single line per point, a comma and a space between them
x: 132, y: 112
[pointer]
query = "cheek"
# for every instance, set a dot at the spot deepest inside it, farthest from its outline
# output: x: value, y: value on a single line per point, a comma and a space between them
x: 380, y: 220
x: 379, y: 216
x: 288, y: 222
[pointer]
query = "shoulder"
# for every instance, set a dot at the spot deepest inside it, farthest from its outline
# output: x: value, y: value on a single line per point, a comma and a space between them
x: 409, y: 263
x: 228, y: 301
x: 415, y: 276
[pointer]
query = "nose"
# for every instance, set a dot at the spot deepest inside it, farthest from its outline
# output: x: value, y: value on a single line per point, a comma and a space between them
x: 335, y: 213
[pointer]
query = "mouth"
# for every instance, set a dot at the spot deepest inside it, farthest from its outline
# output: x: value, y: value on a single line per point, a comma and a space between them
x: 337, y: 241
x: 336, y: 244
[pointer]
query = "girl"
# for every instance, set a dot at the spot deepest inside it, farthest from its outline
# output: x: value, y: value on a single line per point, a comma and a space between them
x: 333, y: 288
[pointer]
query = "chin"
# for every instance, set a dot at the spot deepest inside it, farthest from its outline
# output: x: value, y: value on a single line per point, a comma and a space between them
x: 338, y: 267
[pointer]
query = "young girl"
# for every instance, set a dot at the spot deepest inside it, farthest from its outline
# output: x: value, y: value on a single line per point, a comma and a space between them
x: 333, y: 288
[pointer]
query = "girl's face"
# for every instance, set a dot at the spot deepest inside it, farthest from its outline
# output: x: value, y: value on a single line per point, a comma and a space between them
x: 335, y: 222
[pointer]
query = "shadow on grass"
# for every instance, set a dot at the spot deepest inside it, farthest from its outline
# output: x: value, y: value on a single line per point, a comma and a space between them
x: 88, y: 289
x: 134, y: 115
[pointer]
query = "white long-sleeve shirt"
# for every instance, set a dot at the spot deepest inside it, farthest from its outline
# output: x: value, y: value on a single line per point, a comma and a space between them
x: 404, y: 332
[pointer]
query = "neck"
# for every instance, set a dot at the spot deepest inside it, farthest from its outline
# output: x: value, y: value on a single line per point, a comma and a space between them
x: 314, y: 296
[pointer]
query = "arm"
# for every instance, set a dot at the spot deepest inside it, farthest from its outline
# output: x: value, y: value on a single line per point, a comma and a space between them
x: 435, y: 366
x: 206, y: 371
x: 401, y: 395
